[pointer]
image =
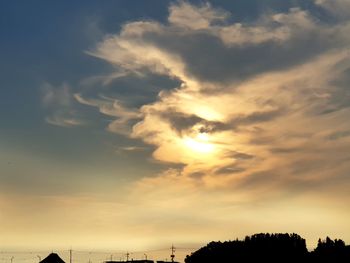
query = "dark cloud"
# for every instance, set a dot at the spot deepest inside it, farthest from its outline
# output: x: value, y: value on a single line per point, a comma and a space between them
x: 180, y: 121
x: 338, y: 135
x: 134, y: 90
x: 183, y: 122
x: 285, y: 150
x: 240, y: 155
x: 257, y: 117
x: 260, y: 180
x: 340, y: 96
x: 230, y: 170
x: 197, y: 175
x: 209, y: 59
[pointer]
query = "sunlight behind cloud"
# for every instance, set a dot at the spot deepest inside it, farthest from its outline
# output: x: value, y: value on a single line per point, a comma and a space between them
x: 253, y: 111
x: 200, y: 144
x: 199, y: 122
x: 234, y: 113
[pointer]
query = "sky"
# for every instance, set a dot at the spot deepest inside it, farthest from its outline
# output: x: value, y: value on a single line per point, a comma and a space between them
x: 134, y: 125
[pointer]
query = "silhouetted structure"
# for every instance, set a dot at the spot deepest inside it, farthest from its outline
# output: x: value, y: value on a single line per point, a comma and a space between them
x: 132, y: 261
x: 272, y: 248
x: 52, y: 258
x: 138, y: 261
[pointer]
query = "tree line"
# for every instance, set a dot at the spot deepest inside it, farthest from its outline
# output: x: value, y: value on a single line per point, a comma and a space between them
x: 273, y: 248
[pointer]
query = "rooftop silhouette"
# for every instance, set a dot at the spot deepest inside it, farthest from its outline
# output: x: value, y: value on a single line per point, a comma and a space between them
x: 52, y: 258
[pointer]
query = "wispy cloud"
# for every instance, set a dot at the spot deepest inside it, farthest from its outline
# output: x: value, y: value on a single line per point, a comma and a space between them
x: 114, y: 108
x: 58, y: 101
x: 187, y: 16
x: 338, y: 8
x: 271, y: 88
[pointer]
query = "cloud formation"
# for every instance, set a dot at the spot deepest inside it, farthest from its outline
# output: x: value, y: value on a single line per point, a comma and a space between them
x: 247, y: 120
x: 59, y: 101
x: 111, y: 107
x: 338, y: 8
x: 249, y: 113
x: 273, y: 90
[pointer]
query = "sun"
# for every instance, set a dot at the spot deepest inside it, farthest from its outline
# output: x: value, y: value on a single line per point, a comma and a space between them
x: 200, y: 144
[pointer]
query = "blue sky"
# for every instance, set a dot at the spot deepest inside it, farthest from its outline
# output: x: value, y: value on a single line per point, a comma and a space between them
x: 232, y: 112
x: 45, y: 42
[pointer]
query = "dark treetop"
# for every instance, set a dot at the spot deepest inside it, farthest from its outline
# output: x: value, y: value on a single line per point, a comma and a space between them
x: 281, y: 248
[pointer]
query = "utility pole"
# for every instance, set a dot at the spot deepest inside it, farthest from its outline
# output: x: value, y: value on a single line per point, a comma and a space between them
x: 172, y: 253
x: 127, y: 257
x: 145, y: 256
x: 70, y: 255
x: 111, y: 257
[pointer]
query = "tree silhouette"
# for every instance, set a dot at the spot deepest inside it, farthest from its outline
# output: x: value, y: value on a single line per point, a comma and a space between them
x: 272, y: 248
x: 331, y: 251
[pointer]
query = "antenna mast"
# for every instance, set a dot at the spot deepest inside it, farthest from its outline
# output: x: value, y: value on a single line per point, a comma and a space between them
x: 172, y: 253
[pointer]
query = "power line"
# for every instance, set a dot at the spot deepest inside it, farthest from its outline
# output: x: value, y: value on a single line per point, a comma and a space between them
x: 85, y: 256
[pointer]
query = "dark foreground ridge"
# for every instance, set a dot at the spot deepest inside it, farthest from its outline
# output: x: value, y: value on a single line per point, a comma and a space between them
x: 272, y: 248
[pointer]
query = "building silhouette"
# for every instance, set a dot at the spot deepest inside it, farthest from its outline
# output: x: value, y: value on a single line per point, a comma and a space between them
x: 132, y: 260
x: 52, y: 258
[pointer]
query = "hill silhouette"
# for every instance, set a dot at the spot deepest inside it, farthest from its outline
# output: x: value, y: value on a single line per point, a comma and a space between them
x: 272, y: 248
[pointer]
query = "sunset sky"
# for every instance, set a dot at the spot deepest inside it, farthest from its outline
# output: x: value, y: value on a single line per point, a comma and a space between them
x: 134, y: 125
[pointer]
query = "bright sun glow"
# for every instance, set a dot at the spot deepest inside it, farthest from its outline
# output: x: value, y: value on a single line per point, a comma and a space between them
x: 200, y: 144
